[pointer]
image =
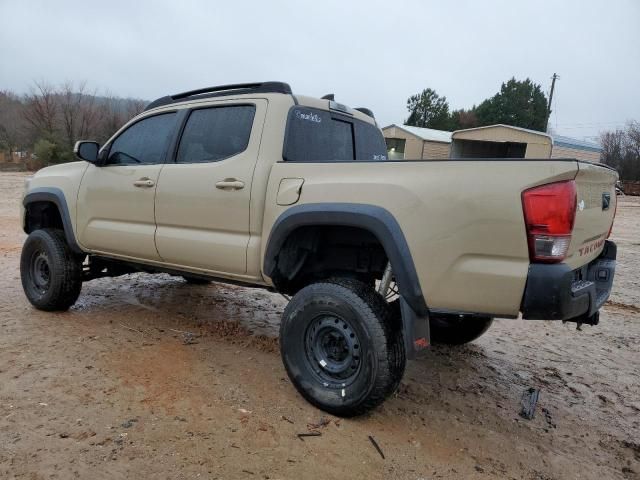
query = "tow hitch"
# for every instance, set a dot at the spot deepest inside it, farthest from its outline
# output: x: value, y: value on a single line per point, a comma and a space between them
x: 585, y: 320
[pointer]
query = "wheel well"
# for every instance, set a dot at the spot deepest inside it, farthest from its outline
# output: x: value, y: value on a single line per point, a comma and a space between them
x: 42, y: 214
x: 313, y: 253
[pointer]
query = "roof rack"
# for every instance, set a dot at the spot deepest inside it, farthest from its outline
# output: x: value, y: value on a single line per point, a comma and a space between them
x: 366, y: 111
x: 222, y: 90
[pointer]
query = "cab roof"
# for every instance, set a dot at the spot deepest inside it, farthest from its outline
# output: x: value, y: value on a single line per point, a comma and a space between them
x: 260, y: 88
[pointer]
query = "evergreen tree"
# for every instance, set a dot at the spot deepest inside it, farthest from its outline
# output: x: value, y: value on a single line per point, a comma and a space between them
x: 428, y: 109
x: 519, y: 103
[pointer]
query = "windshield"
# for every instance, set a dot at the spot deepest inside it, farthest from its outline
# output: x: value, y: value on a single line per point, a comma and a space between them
x: 315, y: 135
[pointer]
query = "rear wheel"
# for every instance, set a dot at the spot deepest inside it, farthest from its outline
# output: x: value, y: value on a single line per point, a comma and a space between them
x: 457, y: 329
x: 50, y: 271
x: 341, y: 347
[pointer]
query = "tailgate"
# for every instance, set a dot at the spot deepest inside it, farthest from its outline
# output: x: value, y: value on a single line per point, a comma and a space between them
x: 596, y: 204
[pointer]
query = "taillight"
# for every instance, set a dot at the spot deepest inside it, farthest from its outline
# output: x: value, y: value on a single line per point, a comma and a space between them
x: 549, y: 213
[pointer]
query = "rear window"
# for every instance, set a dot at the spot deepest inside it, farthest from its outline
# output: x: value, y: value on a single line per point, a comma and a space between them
x: 320, y: 136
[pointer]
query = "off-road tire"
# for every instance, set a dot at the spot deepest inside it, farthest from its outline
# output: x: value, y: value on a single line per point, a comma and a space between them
x: 457, y: 330
x: 195, y: 280
x: 50, y: 271
x: 351, y: 308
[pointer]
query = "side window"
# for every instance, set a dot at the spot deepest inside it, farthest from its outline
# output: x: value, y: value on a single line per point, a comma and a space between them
x: 143, y: 143
x: 213, y: 134
x: 315, y: 135
x: 341, y: 134
x: 370, y: 144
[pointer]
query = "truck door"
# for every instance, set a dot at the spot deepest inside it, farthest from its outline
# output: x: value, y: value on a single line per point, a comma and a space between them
x: 203, y: 195
x: 116, y: 199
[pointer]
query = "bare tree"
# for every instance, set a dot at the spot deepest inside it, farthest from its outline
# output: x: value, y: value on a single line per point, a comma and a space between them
x: 134, y: 107
x: 12, y: 128
x: 112, y: 118
x: 80, y: 112
x: 621, y: 150
x: 633, y: 139
x: 90, y: 117
x: 54, y: 118
x: 116, y: 112
x: 41, y: 109
x: 464, y: 119
x: 612, y: 147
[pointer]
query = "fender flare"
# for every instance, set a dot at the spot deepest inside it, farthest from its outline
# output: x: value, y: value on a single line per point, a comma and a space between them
x: 377, y: 220
x: 383, y: 225
x: 55, y: 196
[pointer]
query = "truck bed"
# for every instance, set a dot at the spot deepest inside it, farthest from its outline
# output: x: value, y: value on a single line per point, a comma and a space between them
x: 463, y: 219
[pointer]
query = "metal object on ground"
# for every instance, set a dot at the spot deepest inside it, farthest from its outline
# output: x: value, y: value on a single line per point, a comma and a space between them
x: 301, y: 436
x: 377, y: 447
x: 529, y: 402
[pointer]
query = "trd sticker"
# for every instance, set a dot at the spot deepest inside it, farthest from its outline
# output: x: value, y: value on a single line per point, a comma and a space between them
x: 310, y: 117
x: 379, y: 157
x: 592, y: 247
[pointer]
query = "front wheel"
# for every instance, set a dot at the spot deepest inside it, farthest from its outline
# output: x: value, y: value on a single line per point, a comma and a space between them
x: 457, y: 329
x: 50, y: 271
x: 341, y: 347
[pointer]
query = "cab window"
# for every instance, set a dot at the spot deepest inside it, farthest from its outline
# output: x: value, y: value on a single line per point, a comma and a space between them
x: 315, y: 135
x: 213, y: 134
x: 143, y: 143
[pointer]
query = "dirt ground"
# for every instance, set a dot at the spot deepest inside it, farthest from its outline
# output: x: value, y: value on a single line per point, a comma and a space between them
x: 116, y: 388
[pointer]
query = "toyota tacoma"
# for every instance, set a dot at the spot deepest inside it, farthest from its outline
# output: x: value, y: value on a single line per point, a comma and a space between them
x: 256, y: 185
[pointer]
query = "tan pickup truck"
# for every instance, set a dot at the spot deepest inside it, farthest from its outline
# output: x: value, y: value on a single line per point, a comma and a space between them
x: 255, y: 185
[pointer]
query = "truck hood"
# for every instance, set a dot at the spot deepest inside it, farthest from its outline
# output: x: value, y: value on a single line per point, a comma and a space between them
x: 63, y: 169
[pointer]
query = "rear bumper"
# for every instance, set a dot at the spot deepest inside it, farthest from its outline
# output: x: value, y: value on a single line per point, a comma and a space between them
x: 555, y: 292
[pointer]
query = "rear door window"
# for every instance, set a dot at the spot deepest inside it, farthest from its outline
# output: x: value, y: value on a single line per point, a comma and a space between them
x: 213, y: 134
x: 317, y: 135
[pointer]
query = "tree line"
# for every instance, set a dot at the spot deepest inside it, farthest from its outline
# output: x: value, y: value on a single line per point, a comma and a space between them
x: 49, y: 119
x: 621, y: 150
x: 521, y: 104
x: 518, y: 103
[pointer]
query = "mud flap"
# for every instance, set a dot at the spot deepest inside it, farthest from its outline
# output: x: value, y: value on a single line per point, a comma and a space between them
x: 415, y: 330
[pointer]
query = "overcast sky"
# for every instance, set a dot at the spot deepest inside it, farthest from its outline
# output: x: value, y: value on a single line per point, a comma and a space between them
x: 369, y: 53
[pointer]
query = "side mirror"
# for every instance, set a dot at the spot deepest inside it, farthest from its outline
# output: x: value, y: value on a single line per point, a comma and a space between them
x: 87, y: 151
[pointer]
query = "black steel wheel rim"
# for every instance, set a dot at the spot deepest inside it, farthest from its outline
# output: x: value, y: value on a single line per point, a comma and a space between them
x: 333, y: 350
x: 40, y: 271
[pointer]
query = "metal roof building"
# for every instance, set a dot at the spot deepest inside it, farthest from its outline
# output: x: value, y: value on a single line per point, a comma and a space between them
x: 404, y: 141
x: 506, y: 141
x: 574, y: 148
x: 491, y: 141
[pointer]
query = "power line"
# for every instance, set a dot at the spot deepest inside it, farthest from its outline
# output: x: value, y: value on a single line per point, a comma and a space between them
x: 587, y: 124
x: 591, y: 127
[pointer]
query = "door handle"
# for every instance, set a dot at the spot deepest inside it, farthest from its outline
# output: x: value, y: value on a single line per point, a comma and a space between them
x: 144, y: 182
x: 230, y: 184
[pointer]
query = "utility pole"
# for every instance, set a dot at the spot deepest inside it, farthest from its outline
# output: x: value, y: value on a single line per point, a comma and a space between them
x: 553, y: 86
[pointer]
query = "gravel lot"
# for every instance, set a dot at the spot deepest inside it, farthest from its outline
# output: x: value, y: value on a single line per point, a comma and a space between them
x: 115, y: 388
